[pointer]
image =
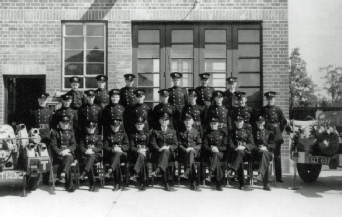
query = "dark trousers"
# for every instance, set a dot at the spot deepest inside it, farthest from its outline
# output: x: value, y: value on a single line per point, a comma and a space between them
x: 65, y: 167
x: 264, y: 158
x: 237, y: 165
x: 277, y: 160
x: 116, y: 159
x: 189, y: 164
x: 89, y: 161
x: 140, y: 167
x: 215, y: 166
x: 164, y: 158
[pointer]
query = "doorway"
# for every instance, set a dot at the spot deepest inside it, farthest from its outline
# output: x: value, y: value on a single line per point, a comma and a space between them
x: 21, y: 93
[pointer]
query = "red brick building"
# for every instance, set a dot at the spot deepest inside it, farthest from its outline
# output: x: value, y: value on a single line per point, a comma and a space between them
x: 43, y: 42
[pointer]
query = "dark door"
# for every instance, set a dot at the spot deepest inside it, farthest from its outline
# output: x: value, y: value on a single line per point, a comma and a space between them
x: 21, y: 97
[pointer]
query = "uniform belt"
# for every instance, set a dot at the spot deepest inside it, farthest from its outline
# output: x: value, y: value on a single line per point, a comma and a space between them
x: 43, y: 126
x: 222, y: 125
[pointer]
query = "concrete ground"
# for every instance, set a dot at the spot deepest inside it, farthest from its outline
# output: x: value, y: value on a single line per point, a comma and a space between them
x: 321, y: 198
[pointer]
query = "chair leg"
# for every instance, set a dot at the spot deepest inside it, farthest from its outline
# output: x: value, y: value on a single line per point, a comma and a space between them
x: 251, y: 173
x: 179, y: 173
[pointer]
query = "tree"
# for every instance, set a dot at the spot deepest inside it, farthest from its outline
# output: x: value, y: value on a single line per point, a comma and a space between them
x: 302, y: 88
x: 333, y: 82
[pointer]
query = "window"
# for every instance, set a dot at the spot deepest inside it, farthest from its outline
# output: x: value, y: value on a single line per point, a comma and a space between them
x: 84, y: 52
x: 221, y: 49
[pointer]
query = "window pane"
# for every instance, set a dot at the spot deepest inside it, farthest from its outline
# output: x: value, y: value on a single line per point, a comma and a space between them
x: 249, y: 65
x: 249, y: 35
x: 151, y: 94
x: 250, y: 50
x: 95, y: 69
x: 215, y: 65
x: 73, y: 69
x: 91, y: 83
x: 253, y: 96
x: 182, y: 36
x: 182, y: 65
x: 215, y: 51
x: 148, y: 51
x: 74, y: 43
x: 215, y: 36
x: 148, y: 36
x: 252, y: 79
x: 73, y: 56
x: 73, y: 30
x: 67, y: 83
x: 148, y: 80
x: 148, y: 65
x: 217, y: 80
x: 182, y: 51
x: 95, y: 56
x: 95, y: 30
x: 186, y: 81
x: 95, y: 43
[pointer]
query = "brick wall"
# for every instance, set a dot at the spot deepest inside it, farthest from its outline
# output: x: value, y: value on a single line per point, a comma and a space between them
x: 30, y: 34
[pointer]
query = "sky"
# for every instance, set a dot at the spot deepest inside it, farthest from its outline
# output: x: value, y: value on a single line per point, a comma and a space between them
x: 315, y: 26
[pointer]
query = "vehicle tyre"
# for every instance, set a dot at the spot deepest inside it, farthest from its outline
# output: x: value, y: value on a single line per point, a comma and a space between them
x: 33, y: 182
x: 309, y: 172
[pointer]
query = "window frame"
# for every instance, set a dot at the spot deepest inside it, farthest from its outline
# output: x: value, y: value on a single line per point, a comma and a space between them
x: 84, y: 35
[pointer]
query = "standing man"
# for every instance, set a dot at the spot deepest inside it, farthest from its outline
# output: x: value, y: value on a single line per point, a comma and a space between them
x: 220, y: 111
x: 275, y: 121
x: 140, y: 109
x: 241, y: 144
x: 101, y: 94
x: 178, y: 96
x: 163, y: 107
x: 243, y: 110
x: 112, y: 111
x: 78, y: 98
x: 231, y: 83
x: 204, y: 91
x: 65, y: 110
x: 197, y: 111
x: 263, y: 140
x: 63, y: 146
x: 90, y: 112
x: 126, y: 93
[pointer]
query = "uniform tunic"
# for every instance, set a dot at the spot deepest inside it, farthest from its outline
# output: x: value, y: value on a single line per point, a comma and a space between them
x: 127, y: 97
x: 139, y: 110
x: 204, y: 97
x: 101, y: 97
x: 160, y: 109
x: 41, y: 119
x: 222, y: 113
x: 110, y: 112
x: 90, y: 113
x: 248, y: 114
x: 199, y: 116
x: 228, y: 99
x: 65, y: 111
x: 178, y: 97
x: 78, y: 99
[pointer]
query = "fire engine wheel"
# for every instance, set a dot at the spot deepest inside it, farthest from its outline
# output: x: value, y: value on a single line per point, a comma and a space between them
x: 32, y: 183
x: 309, y: 172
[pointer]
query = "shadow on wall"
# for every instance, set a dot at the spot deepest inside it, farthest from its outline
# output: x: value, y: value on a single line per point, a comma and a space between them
x: 98, y: 9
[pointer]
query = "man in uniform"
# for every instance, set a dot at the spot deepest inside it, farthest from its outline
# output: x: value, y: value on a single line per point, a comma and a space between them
x: 112, y: 111
x: 241, y: 144
x: 90, y: 112
x: 101, y: 94
x: 189, y: 145
x: 162, y: 107
x: 139, y: 109
x: 229, y: 93
x: 196, y: 110
x: 275, y: 121
x: 204, y: 91
x: 263, y: 140
x: 178, y: 96
x: 116, y: 145
x: 214, y: 148
x: 41, y: 118
x: 78, y: 98
x: 127, y: 98
x: 220, y: 111
x: 65, y: 110
x: 138, y: 152
x: 63, y: 146
x: 91, y: 149
x: 244, y: 110
x: 163, y: 144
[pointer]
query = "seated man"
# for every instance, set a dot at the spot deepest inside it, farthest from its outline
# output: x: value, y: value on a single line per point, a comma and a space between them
x: 240, y: 143
x: 63, y: 146
x: 163, y: 143
x: 138, y: 149
x: 91, y: 149
x: 116, y: 146
x: 189, y: 146
x: 215, y: 147
x: 263, y: 153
